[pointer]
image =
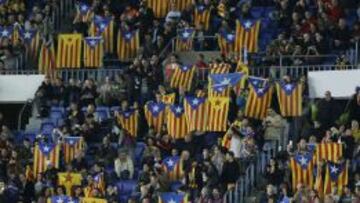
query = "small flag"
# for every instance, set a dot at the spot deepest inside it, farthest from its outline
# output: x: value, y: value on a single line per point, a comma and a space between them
x: 218, y: 114
x: 219, y: 68
x: 290, y: 99
x: 202, y: 15
x: 105, y: 28
x: 168, y: 99
x: 69, y: 51
x: 176, y: 122
x: 159, y: 7
x: 184, y: 40
x: 93, y: 52
x: 247, y: 35
x: 196, y: 111
x: 302, y: 170
x: 68, y: 180
x: 128, y: 44
x: 72, y: 146
x: 173, y: 167
x: 47, y: 59
x: 226, y: 42
x: 128, y: 120
x: 329, y: 152
x: 45, y: 154
x: 155, y: 115
x: 182, y: 77
x: 337, y: 176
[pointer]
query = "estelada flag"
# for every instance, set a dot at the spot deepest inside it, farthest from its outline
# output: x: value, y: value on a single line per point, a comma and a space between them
x: 244, y: 69
x: 218, y: 114
x: 226, y: 140
x: 128, y: 44
x: 155, y: 115
x: 290, y: 98
x: 168, y: 99
x: 105, y: 27
x: 172, y: 197
x: 47, y: 58
x: 93, y: 52
x: 221, y: 84
x: 176, y: 122
x: 196, y: 112
x: 184, y: 39
x: 69, y: 51
x: 302, y: 170
x: 129, y: 120
x: 181, y: 5
x: 329, y: 151
x: 219, y: 68
x: 68, y: 180
x: 173, y: 166
x: 247, y: 35
x: 99, y: 181
x: 336, y: 176
x: 61, y: 199
x: 72, y: 146
x: 159, y: 7
x: 31, y: 39
x: 45, y: 154
x: 226, y: 42
x: 182, y: 77
x: 83, y: 13
x: 92, y: 200
x: 9, y: 33
x: 202, y: 15
x: 259, y: 98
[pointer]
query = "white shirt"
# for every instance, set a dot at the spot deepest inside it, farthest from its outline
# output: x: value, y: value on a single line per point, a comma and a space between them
x: 235, y: 146
x: 173, y: 16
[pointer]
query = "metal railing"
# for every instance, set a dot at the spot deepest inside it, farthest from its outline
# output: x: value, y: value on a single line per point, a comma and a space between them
x: 82, y: 74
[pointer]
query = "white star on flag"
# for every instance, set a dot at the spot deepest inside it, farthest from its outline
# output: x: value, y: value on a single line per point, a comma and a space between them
x: 260, y: 90
x: 71, y: 142
x: 59, y: 200
x: 247, y: 24
x: 27, y: 35
x: 225, y: 81
x: 71, y: 201
x: 288, y: 87
x: 127, y: 114
x: 170, y: 162
x: 46, y: 149
x: 303, y: 161
x: 5, y: 33
x: 195, y: 101
x: 84, y: 8
x: 334, y: 169
x: 178, y: 109
x: 102, y: 26
x: 127, y: 35
x: 171, y: 201
x: 155, y: 108
x: 92, y: 42
x: 185, y: 68
x: 230, y: 37
x: 255, y: 82
x: 186, y: 34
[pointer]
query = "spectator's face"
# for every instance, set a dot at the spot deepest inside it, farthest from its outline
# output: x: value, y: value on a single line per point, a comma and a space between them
x: 327, y: 96
x: 354, y: 124
x: 342, y: 23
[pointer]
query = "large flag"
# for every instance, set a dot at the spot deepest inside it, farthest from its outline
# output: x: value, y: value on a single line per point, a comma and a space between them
x: 184, y: 40
x: 259, y: 98
x: 92, y: 200
x: 218, y: 114
x: 290, y: 98
x: 47, y: 58
x: 72, y: 146
x: 329, y: 152
x: 172, y: 197
x: 61, y: 199
x: 129, y: 120
x: 336, y: 176
x: 31, y: 39
x: 93, y: 52
x: 221, y: 84
x: 69, y: 51
x: 196, y: 112
x: 68, y: 180
x: 247, y: 34
x: 182, y: 77
x: 128, y: 43
x: 159, y: 7
x: 226, y: 42
x: 104, y: 27
x: 45, y: 154
x: 176, y: 122
x: 173, y: 167
x: 219, y: 68
x: 202, y: 16
x: 168, y: 99
x: 302, y: 170
x: 155, y: 115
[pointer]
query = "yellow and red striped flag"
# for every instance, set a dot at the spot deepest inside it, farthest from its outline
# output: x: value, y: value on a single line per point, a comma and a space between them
x: 244, y: 69
x: 247, y: 35
x: 220, y: 85
x: 129, y: 120
x: 92, y: 200
x: 168, y: 99
x: 218, y: 114
x: 302, y: 168
x: 31, y: 40
x: 159, y: 7
x: 72, y: 147
x: 219, y: 68
x: 47, y: 59
x: 182, y: 77
x: 29, y: 174
x: 93, y: 52
x: 99, y: 181
x: 104, y: 26
x: 226, y: 42
x: 259, y: 98
x: 196, y: 112
x: 128, y: 44
x: 184, y: 39
x: 173, y: 197
x: 181, y: 5
x: 226, y: 140
x: 9, y: 34
x: 155, y: 115
x: 173, y: 166
x: 202, y: 15
x: 290, y: 99
x: 69, y: 51
x: 336, y: 176
x: 68, y: 180
x: 45, y: 154
x: 329, y: 151
x: 83, y: 13
x: 176, y: 122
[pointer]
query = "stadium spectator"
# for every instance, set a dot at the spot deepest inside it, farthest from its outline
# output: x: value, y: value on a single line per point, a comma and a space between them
x: 124, y: 166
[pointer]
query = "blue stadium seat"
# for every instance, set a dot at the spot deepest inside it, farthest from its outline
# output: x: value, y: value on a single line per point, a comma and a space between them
x: 30, y: 135
x: 139, y: 150
x: 256, y: 12
x: 115, y: 108
x: 56, y: 114
x: 175, y: 186
x: 58, y: 108
x: 125, y: 189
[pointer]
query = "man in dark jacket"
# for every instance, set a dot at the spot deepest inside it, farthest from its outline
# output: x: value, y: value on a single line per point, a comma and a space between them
x: 231, y: 170
x: 328, y: 111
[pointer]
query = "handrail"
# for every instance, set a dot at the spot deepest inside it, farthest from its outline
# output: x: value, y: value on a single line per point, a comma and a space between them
x: 29, y: 101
